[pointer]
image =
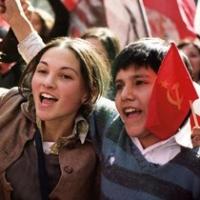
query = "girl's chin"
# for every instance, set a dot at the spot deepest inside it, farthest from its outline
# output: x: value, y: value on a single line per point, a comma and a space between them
x: 43, y: 117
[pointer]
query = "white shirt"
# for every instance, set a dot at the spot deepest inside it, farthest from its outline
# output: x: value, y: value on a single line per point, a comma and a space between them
x: 161, y: 152
x: 30, y: 46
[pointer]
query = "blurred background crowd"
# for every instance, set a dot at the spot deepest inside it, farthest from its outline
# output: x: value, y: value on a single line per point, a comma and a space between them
x: 118, y: 23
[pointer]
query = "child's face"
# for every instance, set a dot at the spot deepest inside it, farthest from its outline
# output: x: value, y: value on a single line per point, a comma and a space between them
x: 58, y: 87
x: 194, y: 57
x: 133, y: 91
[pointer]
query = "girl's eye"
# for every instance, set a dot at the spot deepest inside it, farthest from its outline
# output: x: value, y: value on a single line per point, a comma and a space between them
x: 41, y: 71
x: 65, y: 76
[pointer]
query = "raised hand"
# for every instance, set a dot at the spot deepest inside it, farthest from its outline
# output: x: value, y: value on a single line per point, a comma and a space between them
x: 17, y: 13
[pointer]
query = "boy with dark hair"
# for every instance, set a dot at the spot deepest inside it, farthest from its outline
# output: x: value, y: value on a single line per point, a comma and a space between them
x: 135, y: 163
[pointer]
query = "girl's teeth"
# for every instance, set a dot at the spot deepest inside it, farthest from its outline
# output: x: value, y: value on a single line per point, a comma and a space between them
x: 47, y: 96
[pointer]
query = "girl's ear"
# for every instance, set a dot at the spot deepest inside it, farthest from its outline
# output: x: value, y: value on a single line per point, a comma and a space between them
x: 84, y: 98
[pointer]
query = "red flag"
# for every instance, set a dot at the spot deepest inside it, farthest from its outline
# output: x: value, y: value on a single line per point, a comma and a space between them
x: 126, y: 18
x: 170, y: 100
x: 174, y: 18
x: 71, y: 4
x: 85, y: 14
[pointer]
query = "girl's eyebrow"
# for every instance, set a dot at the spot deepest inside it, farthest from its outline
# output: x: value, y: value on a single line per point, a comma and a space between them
x: 62, y: 68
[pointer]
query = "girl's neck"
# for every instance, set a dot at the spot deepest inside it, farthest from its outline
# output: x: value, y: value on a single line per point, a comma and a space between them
x: 53, y: 131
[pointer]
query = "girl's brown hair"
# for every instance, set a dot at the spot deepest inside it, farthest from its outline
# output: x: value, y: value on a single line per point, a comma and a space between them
x: 92, y: 66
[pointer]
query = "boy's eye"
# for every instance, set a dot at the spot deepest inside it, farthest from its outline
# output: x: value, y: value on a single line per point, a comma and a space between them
x: 140, y: 82
x: 193, y: 55
x: 118, y: 86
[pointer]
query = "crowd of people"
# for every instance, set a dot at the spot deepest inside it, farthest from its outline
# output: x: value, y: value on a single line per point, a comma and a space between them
x: 74, y: 125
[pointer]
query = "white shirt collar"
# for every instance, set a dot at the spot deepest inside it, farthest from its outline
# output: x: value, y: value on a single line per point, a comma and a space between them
x: 159, y: 153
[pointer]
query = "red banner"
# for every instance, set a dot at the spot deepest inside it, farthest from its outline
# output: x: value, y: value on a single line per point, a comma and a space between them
x: 70, y: 4
x: 126, y: 18
x: 171, y: 19
x: 170, y: 101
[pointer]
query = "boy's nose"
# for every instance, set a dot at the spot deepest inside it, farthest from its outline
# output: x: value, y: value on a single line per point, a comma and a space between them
x: 127, y: 93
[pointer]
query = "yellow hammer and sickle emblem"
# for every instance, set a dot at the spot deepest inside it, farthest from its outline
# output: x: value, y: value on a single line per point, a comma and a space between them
x: 173, y: 94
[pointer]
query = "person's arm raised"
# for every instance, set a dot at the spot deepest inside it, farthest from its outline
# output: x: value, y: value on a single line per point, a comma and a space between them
x: 16, y: 12
x: 15, y: 16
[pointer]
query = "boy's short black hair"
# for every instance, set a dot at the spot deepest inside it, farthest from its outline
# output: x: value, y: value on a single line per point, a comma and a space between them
x: 146, y: 52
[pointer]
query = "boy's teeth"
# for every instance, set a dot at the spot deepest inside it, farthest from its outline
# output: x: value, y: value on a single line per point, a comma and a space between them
x: 47, y: 96
x: 129, y: 110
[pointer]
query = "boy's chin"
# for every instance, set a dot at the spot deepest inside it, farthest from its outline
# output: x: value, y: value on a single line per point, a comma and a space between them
x: 135, y: 131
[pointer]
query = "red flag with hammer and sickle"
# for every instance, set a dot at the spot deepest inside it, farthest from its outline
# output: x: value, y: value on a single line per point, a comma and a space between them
x: 171, y: 95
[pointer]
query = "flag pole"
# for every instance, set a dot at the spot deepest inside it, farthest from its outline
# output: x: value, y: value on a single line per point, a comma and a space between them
x: 194, y: 115
x: 144, y: 17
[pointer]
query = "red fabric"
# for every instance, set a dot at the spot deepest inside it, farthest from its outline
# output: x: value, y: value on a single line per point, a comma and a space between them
x: 71, y: 4
x: 85, y: 14
x: 192, y: 124
x: 177, y: 12
x: 126, y: 18
x: 169, y: 104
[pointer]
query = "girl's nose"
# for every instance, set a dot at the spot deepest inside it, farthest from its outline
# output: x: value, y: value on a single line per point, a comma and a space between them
x: 49, y: 82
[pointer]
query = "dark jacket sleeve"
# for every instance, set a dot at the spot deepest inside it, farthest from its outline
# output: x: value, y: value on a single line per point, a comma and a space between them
x: 100, y: 120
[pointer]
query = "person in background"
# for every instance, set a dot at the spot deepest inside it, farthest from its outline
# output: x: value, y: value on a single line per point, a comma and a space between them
x: 196, y: 137
x: 11, y: 63
x: 42, y: 22
x: 192, y: 50
x: 10, y: 70
x: 48, y: 26
x: 107, y: 44
x: 10, y: 66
